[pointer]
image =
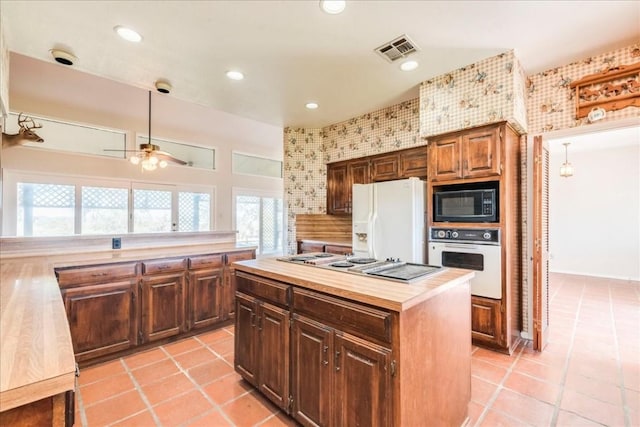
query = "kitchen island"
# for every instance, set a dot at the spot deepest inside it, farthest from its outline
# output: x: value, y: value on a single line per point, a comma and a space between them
x: 331, y: 348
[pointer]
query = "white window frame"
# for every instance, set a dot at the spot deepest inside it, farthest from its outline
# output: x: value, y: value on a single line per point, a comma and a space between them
x: 243, y: 153
x: 238, y: 191
x: 11, y: 178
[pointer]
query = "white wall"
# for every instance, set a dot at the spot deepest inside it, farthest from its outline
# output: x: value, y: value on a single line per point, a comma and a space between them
x: 595, y: 214
x: 55, y: 91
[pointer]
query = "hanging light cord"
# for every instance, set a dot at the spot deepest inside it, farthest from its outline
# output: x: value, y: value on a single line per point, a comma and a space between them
x: 149, y: 137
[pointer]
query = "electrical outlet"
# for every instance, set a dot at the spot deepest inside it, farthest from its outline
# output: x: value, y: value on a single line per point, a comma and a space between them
x: 116, y: 243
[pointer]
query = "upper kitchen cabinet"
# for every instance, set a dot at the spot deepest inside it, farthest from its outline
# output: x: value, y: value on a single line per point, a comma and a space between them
x: 342, y: 175
x: 474, y: 153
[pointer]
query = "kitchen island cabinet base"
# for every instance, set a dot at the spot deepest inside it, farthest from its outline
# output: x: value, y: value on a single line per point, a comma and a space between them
x: 54, y: 411
x: 353, y: 362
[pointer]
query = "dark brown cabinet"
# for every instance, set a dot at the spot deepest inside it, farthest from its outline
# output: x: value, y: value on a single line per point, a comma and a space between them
x: 470, y: 154
x: 205, y: 290
x: 229, y: 283
x: 341, y: 176
x: 101, y: 306
x: 305, y: 246
x: 312, y: 371
x: 262, y: 336
x: 102, y: 318
x: 363, y: 383
x: 112, y: 308
x: 162, y: 306
x: 486, y: 321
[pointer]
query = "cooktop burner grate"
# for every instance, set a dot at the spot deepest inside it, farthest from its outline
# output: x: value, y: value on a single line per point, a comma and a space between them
x: 362, y: 260
x: 323, y: 255
x: 341, y: 264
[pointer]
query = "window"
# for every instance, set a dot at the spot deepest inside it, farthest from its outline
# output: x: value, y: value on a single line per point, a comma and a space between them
x: 253, y: 165
x: 47, y: 205
x: 196, y: 157
x: 259, y: 220
x: 105, y: 210
x: 45, y: 209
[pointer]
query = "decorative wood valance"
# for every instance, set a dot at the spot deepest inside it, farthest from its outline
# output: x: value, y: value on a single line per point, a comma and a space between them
x: 612, y: 89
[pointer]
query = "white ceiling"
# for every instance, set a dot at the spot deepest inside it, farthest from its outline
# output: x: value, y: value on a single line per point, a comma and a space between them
x: 598, y: 140
x: 291, y: 52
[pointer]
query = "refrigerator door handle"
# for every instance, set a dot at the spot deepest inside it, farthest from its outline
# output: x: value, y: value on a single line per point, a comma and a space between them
x: 372, y: 232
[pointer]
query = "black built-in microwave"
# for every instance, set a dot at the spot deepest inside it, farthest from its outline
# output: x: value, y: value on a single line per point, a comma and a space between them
x: 466, y: 205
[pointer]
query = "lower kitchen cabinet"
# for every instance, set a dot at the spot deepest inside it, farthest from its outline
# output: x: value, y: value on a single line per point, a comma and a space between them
x: 362, y: 394
x: 262, y: 343
x: 205, y: 297
x: 486, y: 321
x: 162, y: 306
x: 337, y: 378
x: 102, y: 318
x: 229, y: 282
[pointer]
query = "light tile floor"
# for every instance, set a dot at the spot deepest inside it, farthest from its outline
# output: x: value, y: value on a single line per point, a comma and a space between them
x: 589, y: 374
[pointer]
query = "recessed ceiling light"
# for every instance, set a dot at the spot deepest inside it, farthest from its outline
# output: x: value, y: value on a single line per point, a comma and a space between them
x: 333, y: 7
x: 311, y: 105
x: 128, y: 34
x: 409, y: 65
x: 62, y: 56
x: 235, y: 75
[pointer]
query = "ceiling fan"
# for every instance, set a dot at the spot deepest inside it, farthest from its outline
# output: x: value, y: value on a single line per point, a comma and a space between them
x: 149, y: 155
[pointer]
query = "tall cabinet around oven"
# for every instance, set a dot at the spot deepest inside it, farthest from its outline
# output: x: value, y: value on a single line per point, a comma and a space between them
x: 472, y: 158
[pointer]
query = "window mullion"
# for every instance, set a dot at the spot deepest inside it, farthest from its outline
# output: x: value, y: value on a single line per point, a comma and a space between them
x: 77, y: 211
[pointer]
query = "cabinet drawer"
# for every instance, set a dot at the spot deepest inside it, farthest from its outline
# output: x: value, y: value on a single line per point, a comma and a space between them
x: 95, y: 273
x: 163, y: 265
x: 206, y: 261
x: 240, y: 256
x: 304, y: 247
x: 262, y: 288
x: 343, y: 315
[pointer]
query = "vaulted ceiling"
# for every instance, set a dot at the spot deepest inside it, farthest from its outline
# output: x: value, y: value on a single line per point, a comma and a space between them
x: 291, y: 52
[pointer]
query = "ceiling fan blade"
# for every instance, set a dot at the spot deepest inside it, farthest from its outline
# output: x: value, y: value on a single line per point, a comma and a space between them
x: 166, y: 156
x: 113, y: 149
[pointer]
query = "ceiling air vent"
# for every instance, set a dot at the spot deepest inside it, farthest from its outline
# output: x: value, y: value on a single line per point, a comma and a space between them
x: 398, y: 48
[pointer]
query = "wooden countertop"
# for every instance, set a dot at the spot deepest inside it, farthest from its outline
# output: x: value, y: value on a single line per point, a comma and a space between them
x: 387, y: 294
x: 36, y: 355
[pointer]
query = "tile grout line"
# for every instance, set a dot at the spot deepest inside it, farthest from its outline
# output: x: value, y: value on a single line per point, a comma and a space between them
x: 138, y: 388
x: 616, y: 344
x: 499, y: 388
x: 556, y: 409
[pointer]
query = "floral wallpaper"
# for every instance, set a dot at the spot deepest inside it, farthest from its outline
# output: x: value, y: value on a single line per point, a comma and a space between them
x: 307, y: 151
x: 551, y: 103
x: 489, y: 91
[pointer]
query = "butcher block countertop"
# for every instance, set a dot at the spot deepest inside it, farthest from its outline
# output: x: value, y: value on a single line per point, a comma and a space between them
x: 394, y: 296
x: 36, y: 355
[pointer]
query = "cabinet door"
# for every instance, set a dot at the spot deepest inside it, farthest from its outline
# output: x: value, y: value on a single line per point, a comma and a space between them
x: 481, y: 150
x: 444, y: 158
x: 359, y: 173
x: 205, y: 297
x: 338, y: 189
x: 486, y: 321
x: 102, y: 318
x: 413, y: 162
x: 162, y: 306
x: 338, y: 249
x: 363, y: 386
x: 306, y: 247
x: 273, y: 374
x: 312, y: 371
x: 384, y: 168
x: 246, y: 338
x: 229, y: 293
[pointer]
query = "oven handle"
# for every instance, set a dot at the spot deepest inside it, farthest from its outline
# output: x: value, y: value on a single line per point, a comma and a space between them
x: 466, y: 247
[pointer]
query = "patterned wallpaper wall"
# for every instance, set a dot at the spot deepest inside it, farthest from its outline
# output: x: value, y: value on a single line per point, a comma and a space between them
x: 551, y: 104
x: 489, y: 91
x: 307, y: 151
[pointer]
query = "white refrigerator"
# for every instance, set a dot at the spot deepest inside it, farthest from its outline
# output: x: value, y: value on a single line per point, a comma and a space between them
x: 389, y: 220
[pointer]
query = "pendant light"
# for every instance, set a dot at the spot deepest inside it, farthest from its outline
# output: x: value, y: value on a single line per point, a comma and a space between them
x: 566, y: 170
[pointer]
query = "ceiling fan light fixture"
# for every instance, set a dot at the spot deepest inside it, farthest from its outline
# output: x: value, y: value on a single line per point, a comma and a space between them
x: 333, y: 7
x: 163, y: 164
x: 135, y: 160
x: 128, y: 34
x: 311, y: 105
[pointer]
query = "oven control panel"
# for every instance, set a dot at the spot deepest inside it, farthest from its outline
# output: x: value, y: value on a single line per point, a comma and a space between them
x: 475, y: 235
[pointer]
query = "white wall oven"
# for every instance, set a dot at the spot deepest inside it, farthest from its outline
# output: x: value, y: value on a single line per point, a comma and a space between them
x: 473, y: 249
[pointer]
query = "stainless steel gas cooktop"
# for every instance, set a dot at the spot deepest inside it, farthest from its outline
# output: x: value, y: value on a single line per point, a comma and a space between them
x: 389, y: 269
